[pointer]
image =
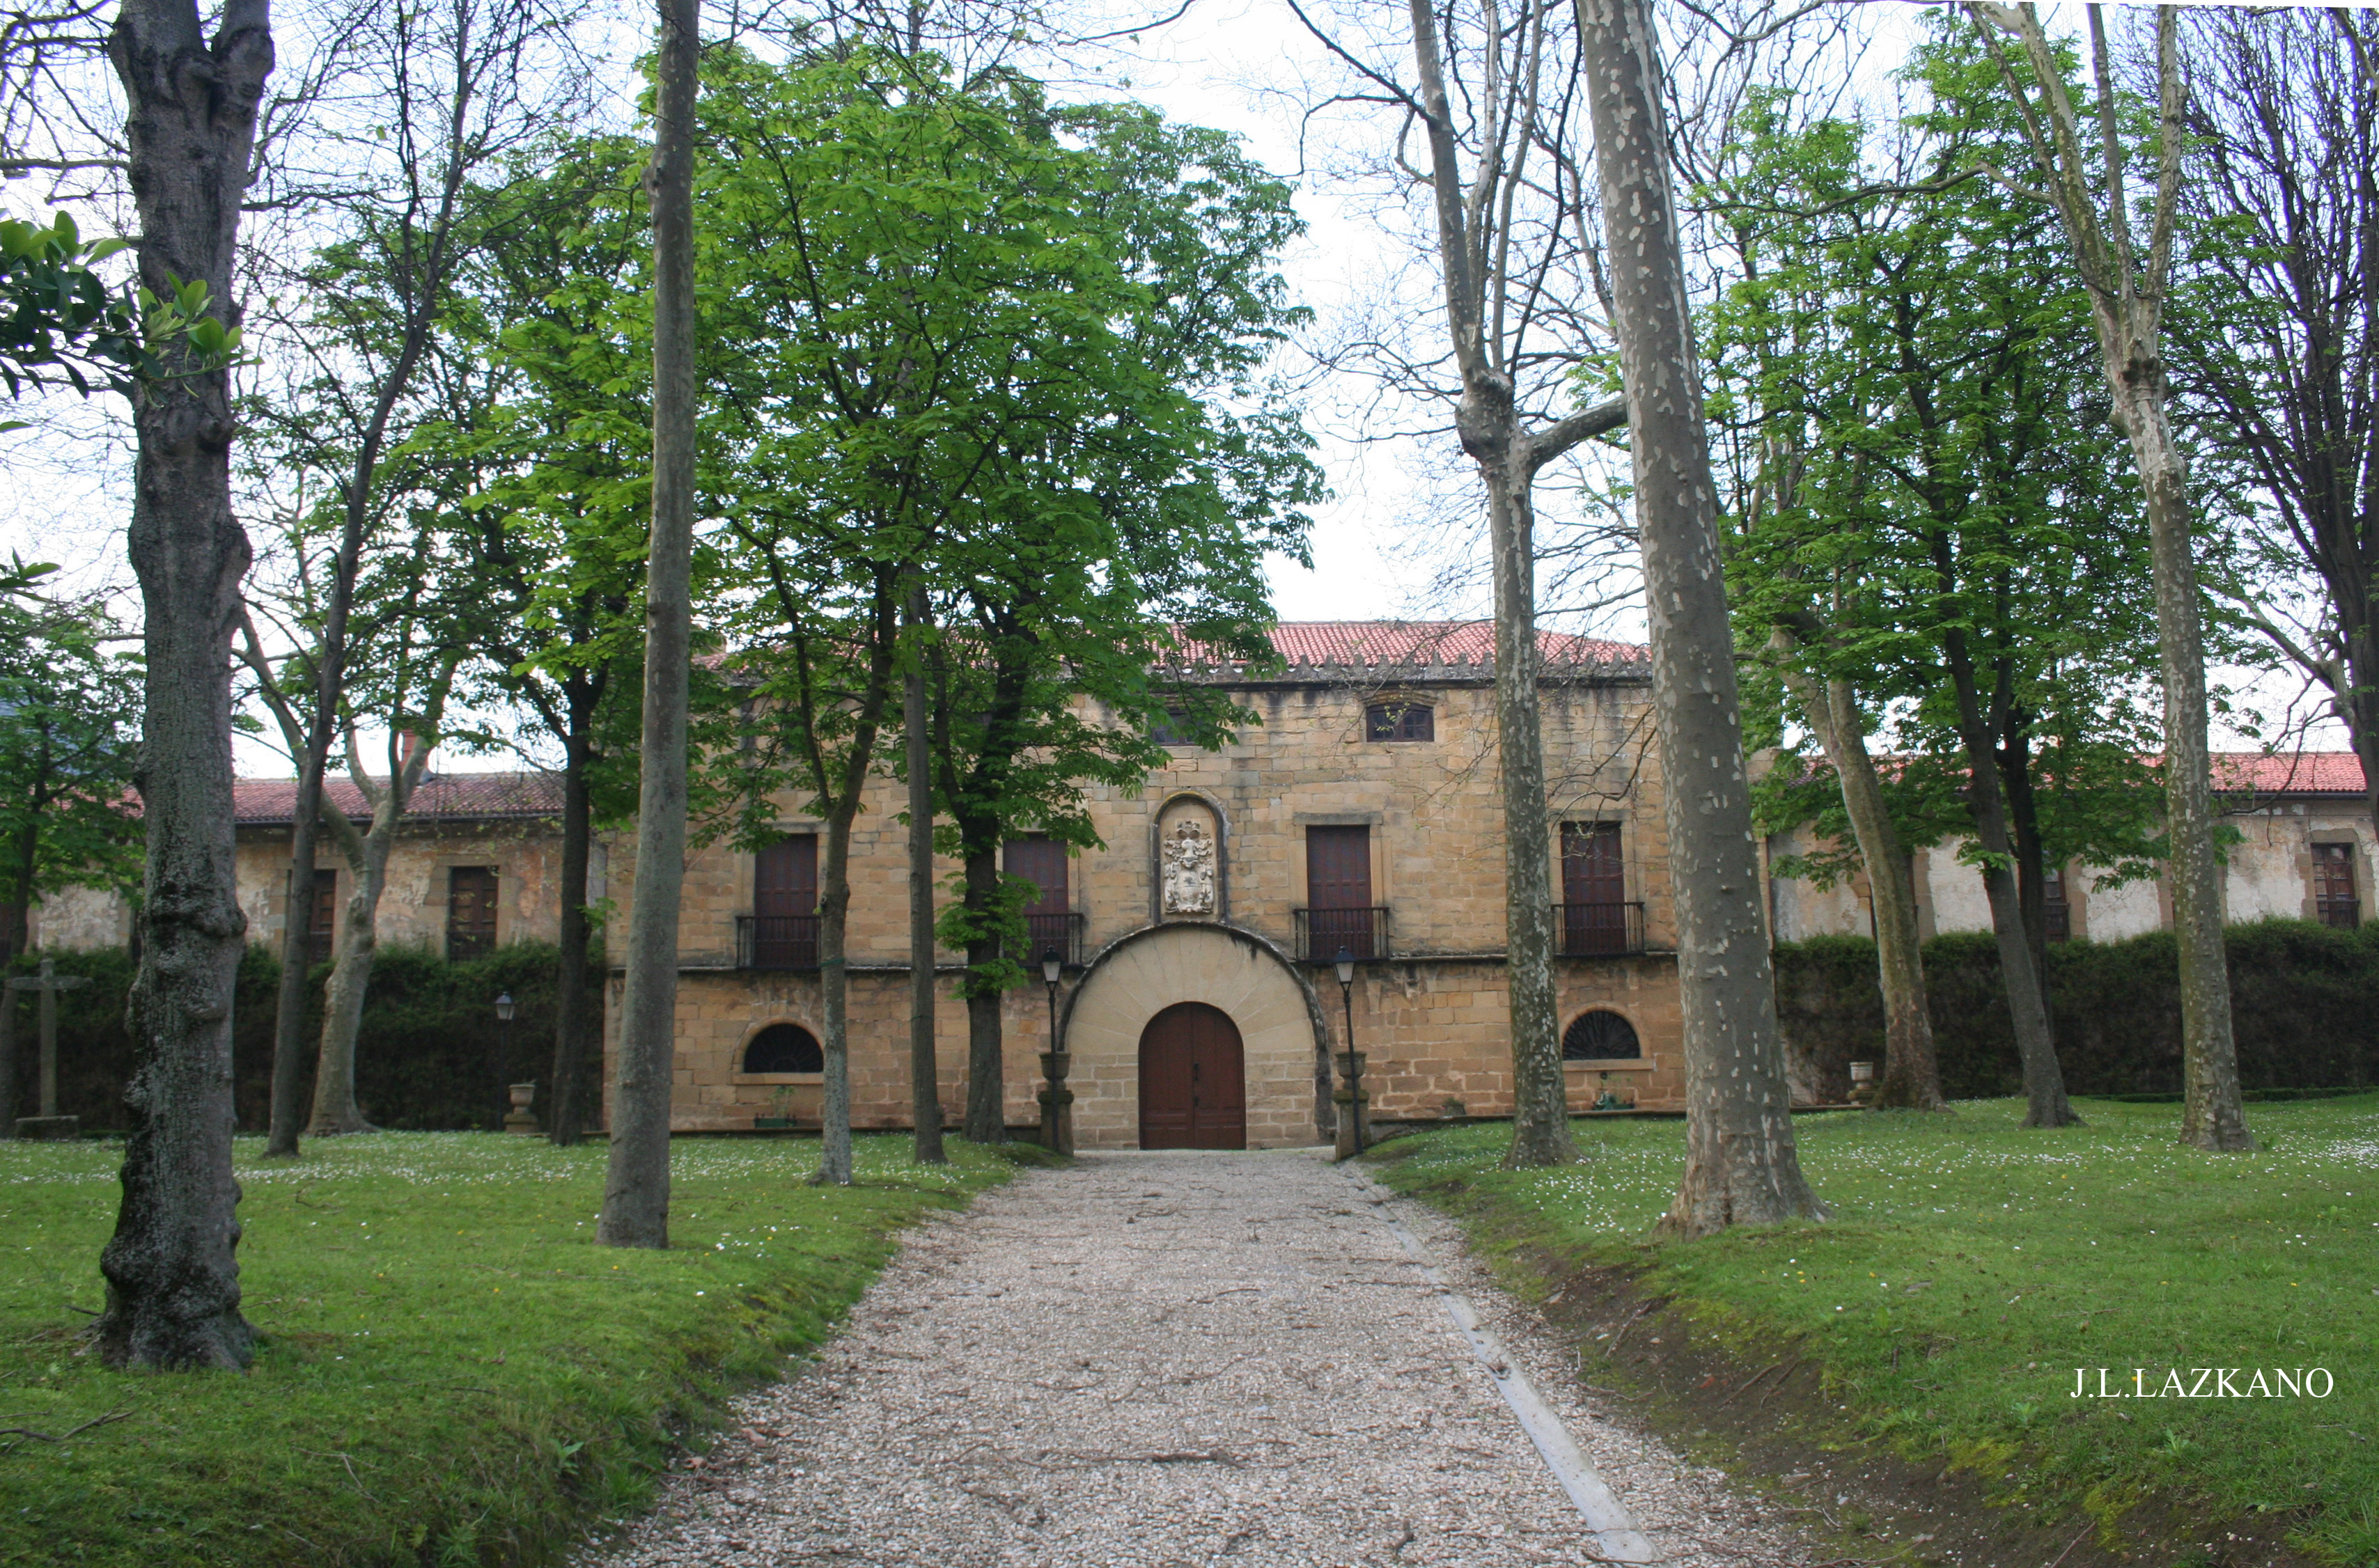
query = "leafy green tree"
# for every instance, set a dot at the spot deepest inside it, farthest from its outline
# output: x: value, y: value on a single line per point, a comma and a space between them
x: 1932, y: 526
x: 60, y: 320
x: 69, y: 741
x: 960, y: 342
x: 541, y: 382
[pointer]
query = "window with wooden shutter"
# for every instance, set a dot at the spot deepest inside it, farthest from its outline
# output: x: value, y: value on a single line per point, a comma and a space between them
x: 470, y: 910
x: 1594, y: 889
x: 2057, y: 913
x: 1048, y: 918
x: 2335, y: 901
x: 784, y: 903
x: 323, y: 916
x: 1338, y: 892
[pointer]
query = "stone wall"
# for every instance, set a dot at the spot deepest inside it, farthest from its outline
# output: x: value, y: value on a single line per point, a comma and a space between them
x: 1431, y: 1015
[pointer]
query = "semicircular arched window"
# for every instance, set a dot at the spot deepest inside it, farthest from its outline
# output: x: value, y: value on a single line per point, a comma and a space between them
x: 1600, y: 1036
x: 784, y: 1047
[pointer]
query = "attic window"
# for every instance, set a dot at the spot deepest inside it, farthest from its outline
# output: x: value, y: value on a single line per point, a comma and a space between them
x: 1168, y: 730
x: 1399, y: 722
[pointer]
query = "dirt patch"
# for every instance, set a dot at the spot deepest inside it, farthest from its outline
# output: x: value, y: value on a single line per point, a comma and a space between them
x: 1770, y: 1422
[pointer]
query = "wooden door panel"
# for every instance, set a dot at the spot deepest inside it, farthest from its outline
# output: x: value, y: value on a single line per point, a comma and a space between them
x: 1192, y: 1080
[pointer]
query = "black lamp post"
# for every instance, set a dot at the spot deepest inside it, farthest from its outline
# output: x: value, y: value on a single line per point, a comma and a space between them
x: 1056, y: 1100
x: 1349, y: 1097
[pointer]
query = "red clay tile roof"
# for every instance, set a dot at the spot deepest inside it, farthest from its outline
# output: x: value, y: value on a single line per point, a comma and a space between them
x: 1405, y: 644
x: 469, y: 796
x: 2300, y: 773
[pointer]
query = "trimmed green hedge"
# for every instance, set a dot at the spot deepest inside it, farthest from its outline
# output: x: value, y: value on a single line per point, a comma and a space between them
x: 2301, y: 1004
x: 431, y: 1056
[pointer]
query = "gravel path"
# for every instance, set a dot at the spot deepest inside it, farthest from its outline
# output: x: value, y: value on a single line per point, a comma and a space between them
x: 1169, y: 1359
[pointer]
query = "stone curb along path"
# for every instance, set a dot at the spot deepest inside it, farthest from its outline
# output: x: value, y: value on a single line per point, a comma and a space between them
x: 1180, y: 1358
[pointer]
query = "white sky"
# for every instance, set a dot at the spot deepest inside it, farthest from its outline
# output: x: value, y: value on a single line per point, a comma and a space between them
x: 64, y: 500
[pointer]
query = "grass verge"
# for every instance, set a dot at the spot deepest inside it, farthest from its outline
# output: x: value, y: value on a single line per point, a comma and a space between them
x: 452, y: 1372
x: 1972, y: 1266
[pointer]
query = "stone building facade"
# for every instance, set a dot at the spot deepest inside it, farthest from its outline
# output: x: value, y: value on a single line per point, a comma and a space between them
x: 477, y: 864
x: 2306, y: 851
x: 1199, y: 998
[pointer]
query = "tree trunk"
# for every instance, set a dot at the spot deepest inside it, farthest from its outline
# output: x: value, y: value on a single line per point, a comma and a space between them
x: 1541, y: 1134
x: 1912, y: 1073
x: 834, y: 992
x: 172, y: 1275
x: 570, y: 1010
x: 2014, y: 759
x: 1742, y: 1165
x: 924, y: 1070
x: 343, y: 1007
x: 2044, y: 1080
x: 296, y: 960
x: 636, y: 1193
x: 18, y: 936
x: 986, y: 1111
x: 2212, y: 1115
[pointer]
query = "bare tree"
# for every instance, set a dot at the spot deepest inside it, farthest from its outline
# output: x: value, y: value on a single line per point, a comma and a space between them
x: 2127, y: 290
x: 173, y: 1278
x: 457, y: 88
x: 1508, y: 240
x: 635, y: 1192
x: 1742, y: 1165
x: 2282, y: 166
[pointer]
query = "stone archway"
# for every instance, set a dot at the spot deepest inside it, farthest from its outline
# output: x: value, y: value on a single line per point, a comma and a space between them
x: 1279, y: 1021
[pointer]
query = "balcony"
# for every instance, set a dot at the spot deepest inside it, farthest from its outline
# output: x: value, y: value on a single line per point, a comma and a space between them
x: 779, y: 942
x: 1062, y: 932
x: 1321, y: 934
x: 1598, y: 931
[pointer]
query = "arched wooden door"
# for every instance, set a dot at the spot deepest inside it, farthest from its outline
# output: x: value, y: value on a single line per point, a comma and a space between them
x: 1192, y: 1080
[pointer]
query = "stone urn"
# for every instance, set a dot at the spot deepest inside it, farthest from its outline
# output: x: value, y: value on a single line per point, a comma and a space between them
x: 520, y: 1118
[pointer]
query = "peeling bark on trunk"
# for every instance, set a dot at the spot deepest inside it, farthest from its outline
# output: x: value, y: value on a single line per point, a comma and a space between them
x: 1912, y: 1073
x: 1742, y: 1165
x: 172, y: 1275
x: 1541, y: 1134
x: 636, y: 1183
x: 2127, y: 294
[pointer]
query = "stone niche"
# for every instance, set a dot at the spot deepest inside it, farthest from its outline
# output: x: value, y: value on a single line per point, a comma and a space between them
x: 1189, y: 878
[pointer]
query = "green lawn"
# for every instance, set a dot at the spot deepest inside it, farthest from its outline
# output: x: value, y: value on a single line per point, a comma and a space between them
x: 2008, y: 1258
x: 452, y: 1373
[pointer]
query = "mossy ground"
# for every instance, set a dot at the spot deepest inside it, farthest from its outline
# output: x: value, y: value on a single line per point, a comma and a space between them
x: 1972, y: 1266
x: 452, y: 1372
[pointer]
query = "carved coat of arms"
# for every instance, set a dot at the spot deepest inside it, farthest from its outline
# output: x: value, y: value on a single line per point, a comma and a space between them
x: 1189, y: 870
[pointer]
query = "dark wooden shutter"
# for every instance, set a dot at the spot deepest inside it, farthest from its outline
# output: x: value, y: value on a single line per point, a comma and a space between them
x: 1048, y: 918
x: 470, y: 912
x: 1338, y: 891
x: 785, y: 878
x: 2334, y: 902
x: 784, y: 903
x: 1594, y: 888
x: 322, y: 918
